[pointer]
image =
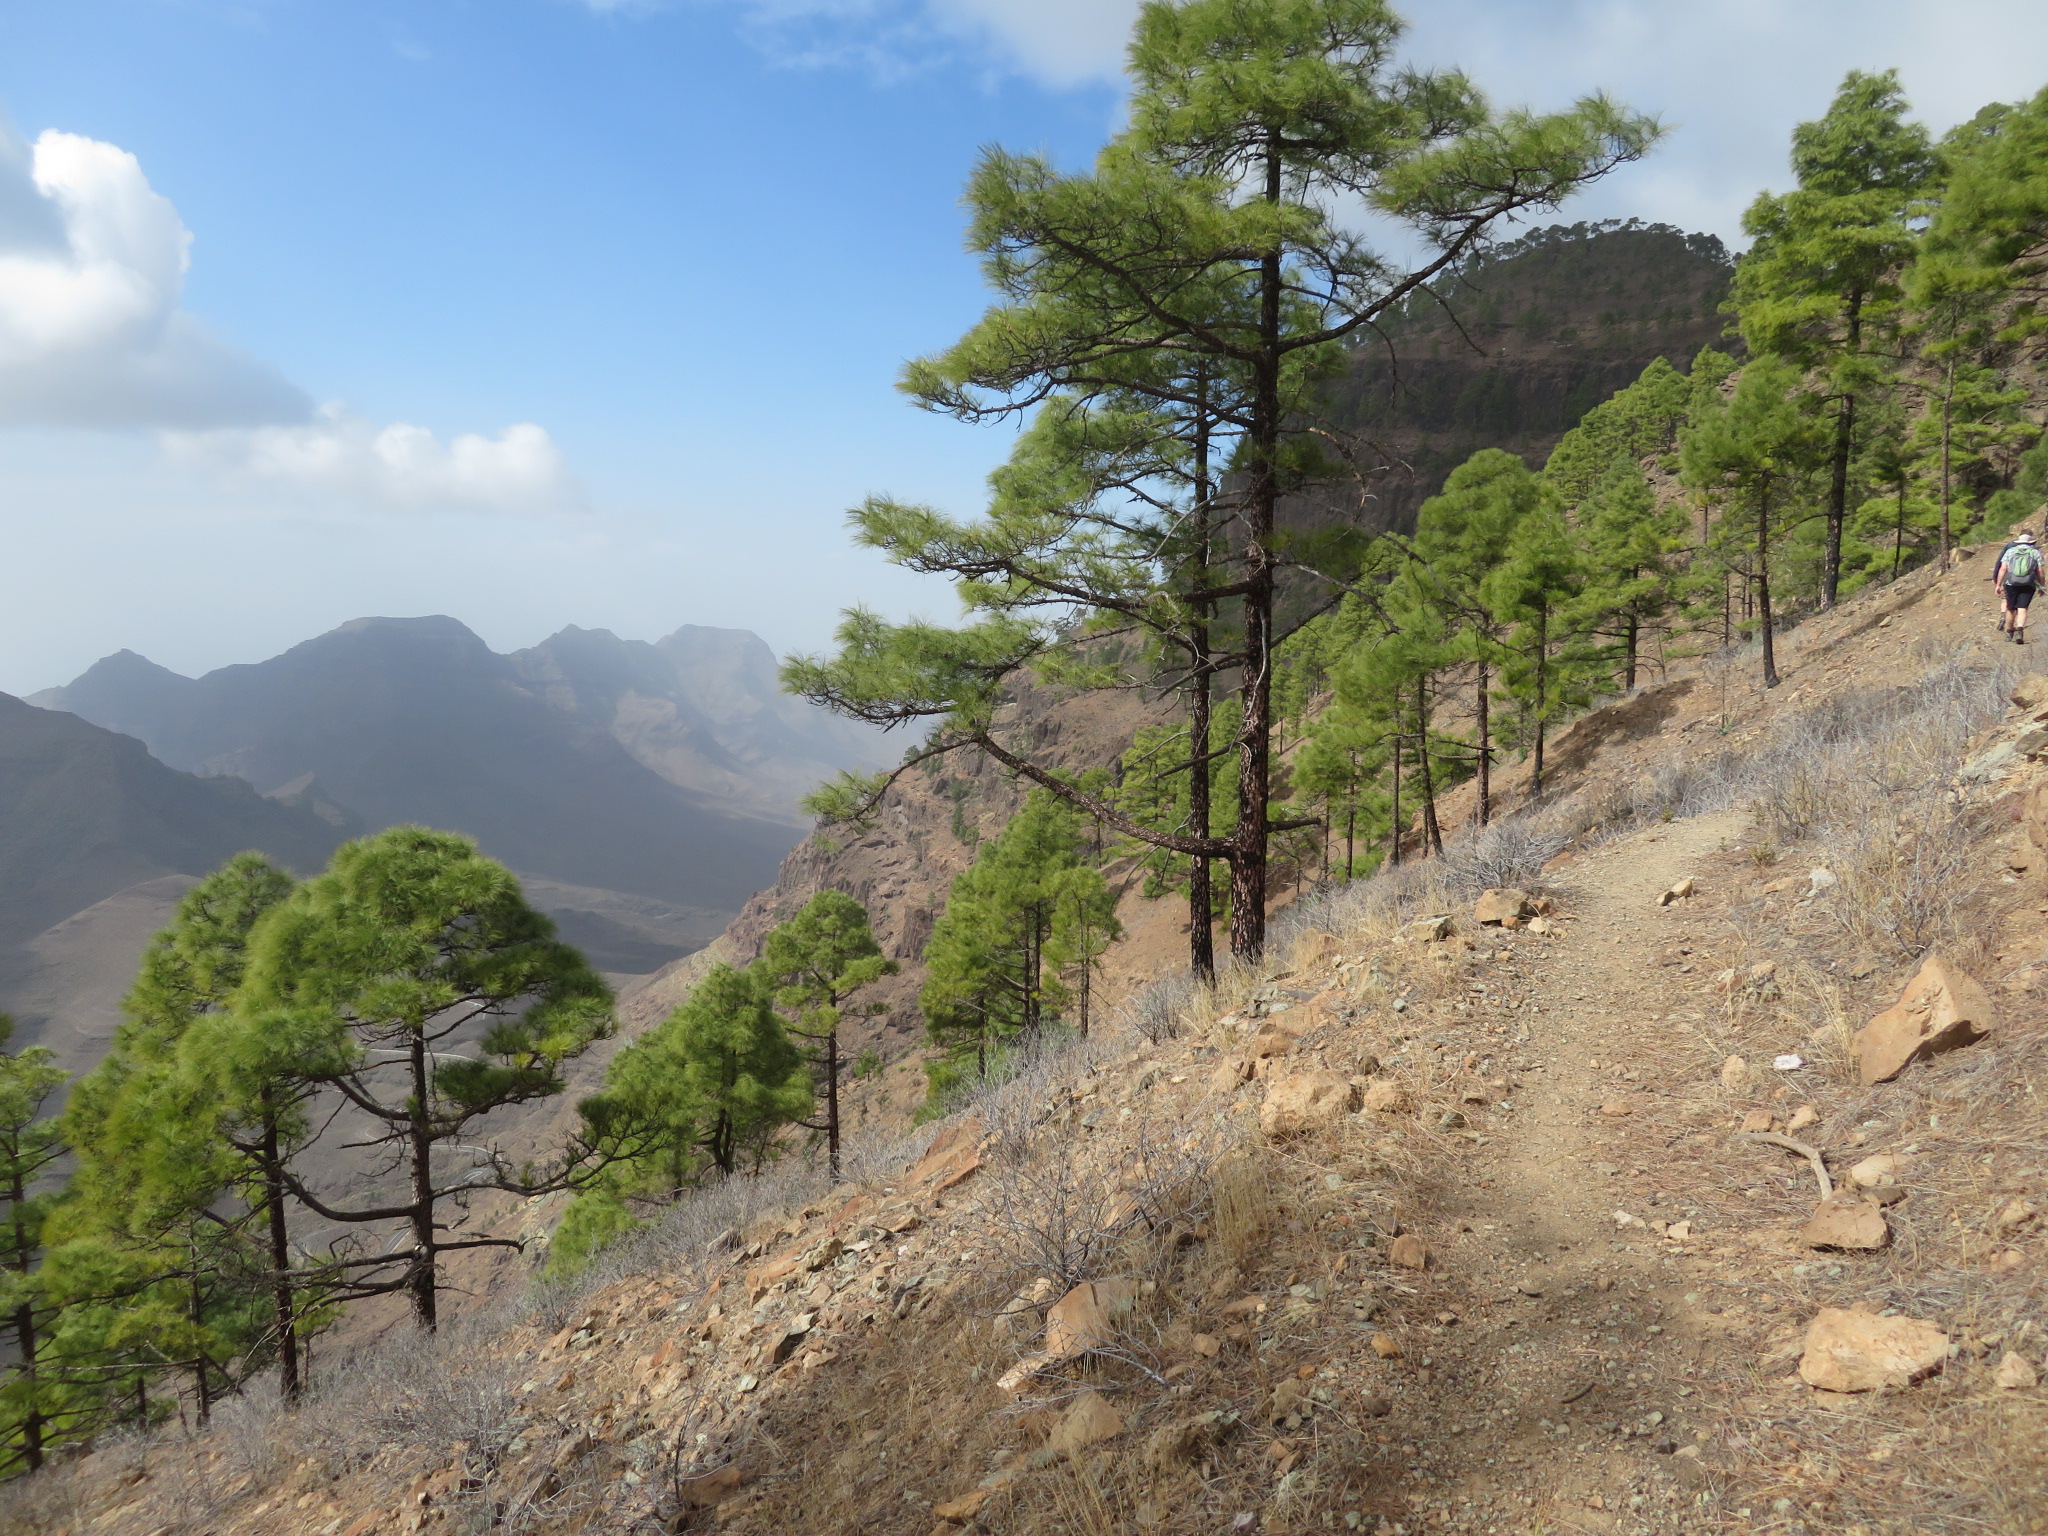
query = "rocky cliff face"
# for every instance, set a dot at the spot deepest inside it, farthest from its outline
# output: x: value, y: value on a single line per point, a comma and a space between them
x: 1521, y: 344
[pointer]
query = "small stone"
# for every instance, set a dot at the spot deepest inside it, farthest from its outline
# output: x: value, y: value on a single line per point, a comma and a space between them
x: 1762, y: 972
x: 1374, y: 1406
x: 1384, y: 1346
x: 1941, y: 1009
x: 1089, y: 1421
x: 2017, y: 1214
x: 1206, y: 1345
x: 1757, y: 1120
x: 1858, y: 1352
x: 1408, y: 1252
x: 1617, y: 1108
x: 1802, y: 1117
x: 1385, y: 1096
x: 1530, y: 1286
x: 1542, y: 927
x: 2016, y: 1373
x: 1680, y: 892
x: 1230, y: 1074
x: 1735, y: 1074
x: 1875, y: 1172
x: 1428, y: 930
x: 1305, y: 1102
x: 1845, y: 1223
x: 1819, y: 880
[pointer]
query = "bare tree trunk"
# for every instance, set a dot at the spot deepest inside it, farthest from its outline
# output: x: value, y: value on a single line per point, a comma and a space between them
x: 1255, y: 739
x: 285, y: 1313
x: 423, y: 1280
x: 1432, y: 833
x: 1763, y: 584
x: 1485, y: 750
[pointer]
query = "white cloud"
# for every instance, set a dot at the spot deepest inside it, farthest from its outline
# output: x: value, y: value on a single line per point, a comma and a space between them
x: 1062, y: 42
x: 341, y: 457
x: 92, y: 335
x: 92, y: 268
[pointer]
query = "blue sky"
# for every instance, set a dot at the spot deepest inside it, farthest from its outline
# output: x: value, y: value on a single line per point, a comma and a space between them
x: 541, y: 312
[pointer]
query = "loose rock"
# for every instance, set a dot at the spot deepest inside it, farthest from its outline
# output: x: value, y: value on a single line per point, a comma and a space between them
x: 1504, y: 906
x: 2016, y: 1373
x: 1306, y: 1101
x: 1845, y: 1222
x: 1089, y: 1421
x: 1942, y: 1009
x: 1735, y: 1074
x: 1857, y: 1352
x: 1680, y: 892
x: 1384, y: 1096
x: 1876, y: 1172
x: 1408, y: 1252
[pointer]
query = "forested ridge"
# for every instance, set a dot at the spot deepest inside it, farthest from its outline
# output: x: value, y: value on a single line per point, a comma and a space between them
x: 1213, y: 374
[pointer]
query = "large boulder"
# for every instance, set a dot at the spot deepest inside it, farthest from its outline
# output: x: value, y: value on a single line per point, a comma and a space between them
x: 1941, y: 1009
x: 1306, y: 1101
x: 1858, y: 1352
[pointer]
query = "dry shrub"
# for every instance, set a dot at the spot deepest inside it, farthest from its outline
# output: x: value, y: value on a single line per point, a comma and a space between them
x: 1905, y: 877
x: 1046, y: 1212
x: 1242, y: 1189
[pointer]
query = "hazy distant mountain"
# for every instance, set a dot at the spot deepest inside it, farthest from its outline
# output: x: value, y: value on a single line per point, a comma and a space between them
x: 702, y: 708
x: 85, y: 812
x: 666, y: 771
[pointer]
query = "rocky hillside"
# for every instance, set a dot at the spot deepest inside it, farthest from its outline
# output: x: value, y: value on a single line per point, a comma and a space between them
x: 1523, y: 343
x: 1678, y: 1190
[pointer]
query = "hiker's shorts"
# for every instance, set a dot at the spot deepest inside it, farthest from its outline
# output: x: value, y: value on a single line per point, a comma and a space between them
x: 2017, y: 598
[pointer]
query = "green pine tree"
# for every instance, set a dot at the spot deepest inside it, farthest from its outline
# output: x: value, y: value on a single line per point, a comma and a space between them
x: 1820, y: 287
x: 1206, y: 234
x: 414, y: 980
x: 1635, y: 553
x: 162, y: 1186
x: 1014, y: 920
x: 1536, y: 587
x: 1755, y: 455
x: 31, y: 1144
x: 815, y: 963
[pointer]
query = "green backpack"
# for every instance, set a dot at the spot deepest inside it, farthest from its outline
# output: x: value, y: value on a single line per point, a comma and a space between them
x: 2023, y: 566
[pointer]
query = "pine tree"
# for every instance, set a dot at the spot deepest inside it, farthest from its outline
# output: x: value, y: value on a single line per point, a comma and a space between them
x: 815, y: 962
x: 994, y: 958
x: 1820, y: 288
x: 1634, y: 552
x: 414, y: 980
x: 1205, y: 233
x: 163, y: 1187
x: 30, y: 1146
x: 1535, y: 587
x: 1755, y: 454
x: 713, y: 1084
x: 1988, y: 240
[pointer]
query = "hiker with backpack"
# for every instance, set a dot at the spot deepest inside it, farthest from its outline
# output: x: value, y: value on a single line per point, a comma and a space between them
x: 2018, y: 577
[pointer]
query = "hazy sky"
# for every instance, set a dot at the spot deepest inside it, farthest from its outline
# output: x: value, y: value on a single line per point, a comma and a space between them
x: 540, y: 312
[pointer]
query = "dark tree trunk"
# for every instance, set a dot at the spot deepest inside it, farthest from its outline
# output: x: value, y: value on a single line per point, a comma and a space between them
x: 1763, y: 584
x: 280, y: 1262
x: 832, y: 1101
x: 1485, y: 750
x: 422, y: 1283
x: 1201, y: 892
x: 1432, y: 834
x: 1838, y: 467
x: 1255, y: 741
x: 1542, y: 698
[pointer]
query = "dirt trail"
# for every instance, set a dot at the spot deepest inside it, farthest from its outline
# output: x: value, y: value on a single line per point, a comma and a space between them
x: 1567, y: 1393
